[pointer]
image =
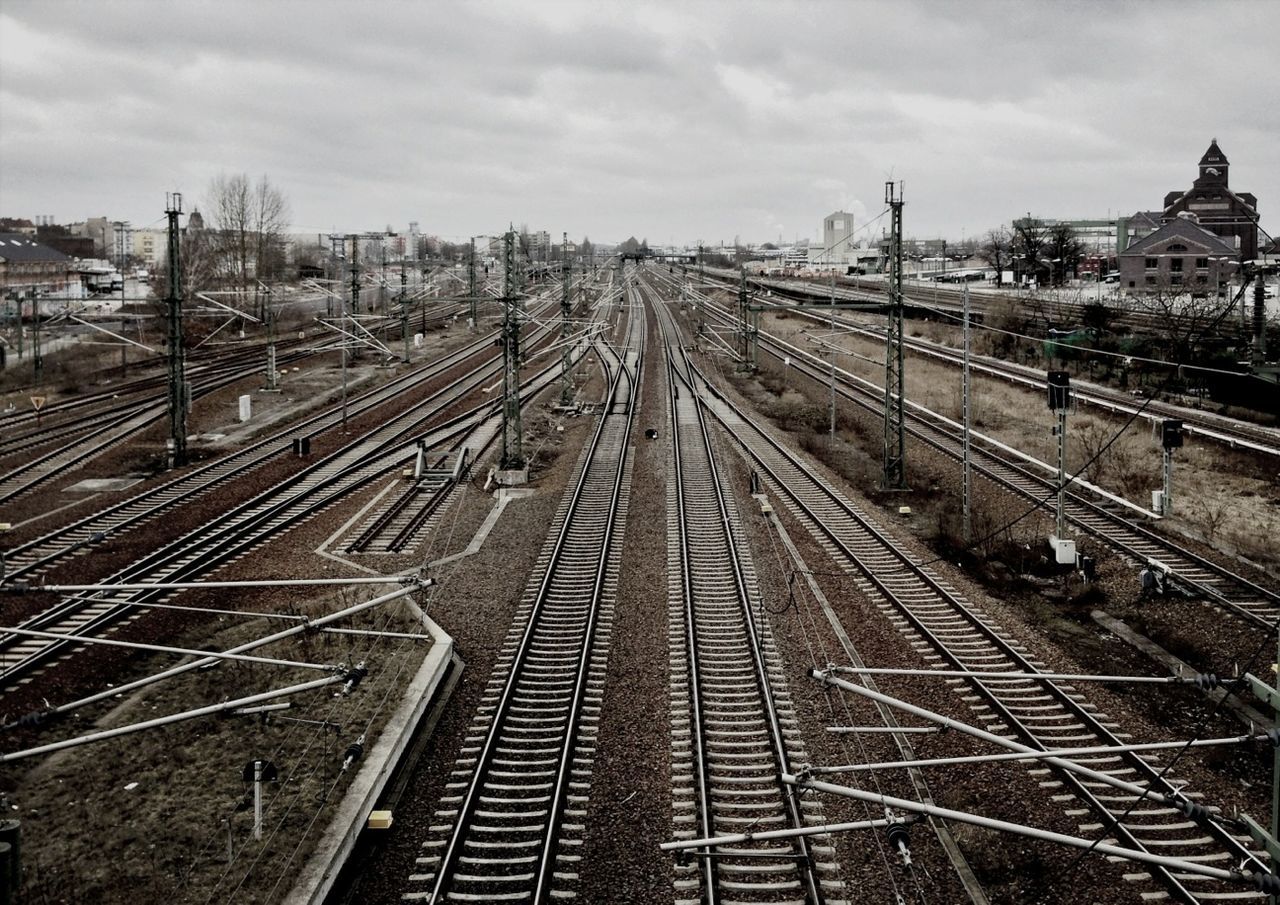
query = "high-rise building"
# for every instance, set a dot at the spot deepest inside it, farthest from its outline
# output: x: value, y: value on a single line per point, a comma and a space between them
x: 837, y: 241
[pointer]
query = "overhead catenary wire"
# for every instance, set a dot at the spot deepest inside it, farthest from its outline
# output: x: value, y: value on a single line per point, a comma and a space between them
x: 1045, y: 883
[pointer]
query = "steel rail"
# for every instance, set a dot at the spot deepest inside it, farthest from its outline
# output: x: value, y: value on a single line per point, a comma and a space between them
x: 287, y: 503
x: 1235, y: 434
x: 1083, y: 512
x: 806, y: 863
x: 1087, y: 515
x: 43, y: 551
x: 978, y: 626
x: 487, y: 754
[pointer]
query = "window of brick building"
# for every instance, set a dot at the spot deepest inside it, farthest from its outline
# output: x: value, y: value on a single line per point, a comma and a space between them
x: 1152, y: 263
x: 1202, y: 263
x: 1134, y: 283
x: 1175, y: 265
x: 1176, y: 279
x: 1151, y: 281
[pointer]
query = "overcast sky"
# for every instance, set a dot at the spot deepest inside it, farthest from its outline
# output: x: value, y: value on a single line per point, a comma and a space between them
x: 672, y: 121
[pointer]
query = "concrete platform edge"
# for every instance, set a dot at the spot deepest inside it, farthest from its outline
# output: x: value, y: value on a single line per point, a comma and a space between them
x: 335, y: 845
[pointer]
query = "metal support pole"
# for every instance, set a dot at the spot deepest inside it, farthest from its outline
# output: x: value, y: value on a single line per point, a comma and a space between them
x: 355, y: 306
x: 257, y: 799
x: 833, y: 359
x: 404, y: 310
x: 104, y: 734
x: 1178, y: 865
x: 1259, y: 349
x: 1275, y: 783
x: 512, y: 428
x: 37, y: 358
x: 17, y: 300
x: 966, y: 413
x: 1060, y: 525
x: 306, y: 626
x: 1166, y: 504
x: 177, y: 355
x: 566, y: 354
x: 471, y: 284
x: 270, y: 317
x: 895, y: 476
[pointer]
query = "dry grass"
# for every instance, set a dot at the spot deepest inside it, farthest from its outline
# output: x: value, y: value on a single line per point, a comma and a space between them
x: 1226, y: 497
x: 89, y: 837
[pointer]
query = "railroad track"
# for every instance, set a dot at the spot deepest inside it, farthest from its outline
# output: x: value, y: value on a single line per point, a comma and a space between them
x: 953, y: 633
x: 1086, y: 510
x: 273, y: 512
x: 93, y: 434
x: 509, y: 828
x: 734, y: 729
x: 1210, y: 427
x: 28, y: 559
x: 400, y: 524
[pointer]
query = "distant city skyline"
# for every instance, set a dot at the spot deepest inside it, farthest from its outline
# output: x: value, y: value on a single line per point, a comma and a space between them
x: 668, y: 122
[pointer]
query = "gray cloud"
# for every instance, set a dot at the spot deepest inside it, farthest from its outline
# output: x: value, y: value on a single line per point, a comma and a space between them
x: 686, y: 121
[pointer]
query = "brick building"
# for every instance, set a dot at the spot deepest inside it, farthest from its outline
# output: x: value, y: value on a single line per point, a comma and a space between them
x: 1180, y: 255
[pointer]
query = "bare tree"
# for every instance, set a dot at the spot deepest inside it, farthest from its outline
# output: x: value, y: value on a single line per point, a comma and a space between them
x: 1029, y: 236
x: 997, y: 250
x: 1064, y: 250
x: 1180, y: 318
x: 249, y: 221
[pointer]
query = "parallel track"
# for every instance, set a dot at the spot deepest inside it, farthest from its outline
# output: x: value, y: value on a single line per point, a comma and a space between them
x: 511, y: 831
x: 953, y: 633
x: 271, y: 513
x: 729, y: 690
x: 1250, y: 601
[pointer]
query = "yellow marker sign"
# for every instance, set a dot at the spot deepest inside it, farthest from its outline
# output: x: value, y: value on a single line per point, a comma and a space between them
x: 37, y: 402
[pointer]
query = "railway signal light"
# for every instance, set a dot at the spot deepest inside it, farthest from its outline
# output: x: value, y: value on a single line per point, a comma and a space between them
x: 1171, y: 433
x: 1059, y: 390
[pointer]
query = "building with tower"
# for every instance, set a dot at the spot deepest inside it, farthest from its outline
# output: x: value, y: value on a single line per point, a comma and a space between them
x: 1217, y: 208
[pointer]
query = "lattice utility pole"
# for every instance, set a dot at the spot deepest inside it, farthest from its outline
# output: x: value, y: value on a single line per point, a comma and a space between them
x: 404, y: 309
x: 269, y: 316
x: 178, y: 398
x: 512, y: 427
x: 895, y: 475
x: 967, y: 478
x: 747, y: 333
x: 471, y: 284
x: 1059, y: 383
x: 566, y: 308
x: 37, y: 358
